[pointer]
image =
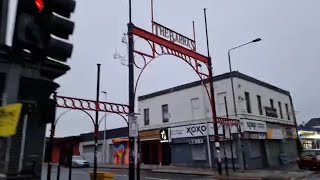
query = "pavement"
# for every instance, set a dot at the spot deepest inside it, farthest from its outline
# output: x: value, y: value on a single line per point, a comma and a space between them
x: 291, y: 172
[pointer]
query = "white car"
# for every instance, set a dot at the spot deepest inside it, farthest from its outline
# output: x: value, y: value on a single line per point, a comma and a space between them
x: 79, y: 161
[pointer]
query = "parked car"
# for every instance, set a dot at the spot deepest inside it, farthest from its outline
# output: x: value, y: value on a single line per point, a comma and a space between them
x: 79, y: 161
x: 309, y: 159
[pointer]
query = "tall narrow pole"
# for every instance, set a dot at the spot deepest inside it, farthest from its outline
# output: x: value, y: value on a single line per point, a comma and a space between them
x: 232, y: 87
x: 70, y: 154
x: 230, y: 135
x: 105, y: 131
x: 52, y: 131
x: 131, y: 94
x: 3, y: 20
x: 213, y: 106
x: 241, y: 156
x: 96, y: 124
x: 224, y: 135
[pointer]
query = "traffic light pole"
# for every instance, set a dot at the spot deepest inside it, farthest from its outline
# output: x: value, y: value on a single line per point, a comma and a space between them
x: 3, y: 20
x: 213, y: 106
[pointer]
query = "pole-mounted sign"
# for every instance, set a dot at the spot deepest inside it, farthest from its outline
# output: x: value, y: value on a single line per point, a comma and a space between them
x: 9, y: 117
x: 133, y: 126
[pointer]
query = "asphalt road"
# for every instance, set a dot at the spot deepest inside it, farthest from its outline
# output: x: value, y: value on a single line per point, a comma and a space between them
x: 120, y: 174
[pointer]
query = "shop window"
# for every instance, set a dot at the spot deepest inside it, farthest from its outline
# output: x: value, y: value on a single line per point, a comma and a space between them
x: 195, y: 107
x: 280, y: 110
x: 247, y: 96
x: 271, y: 103
x: 259, y: 105
x: 165, y: 113
x: 146, y: 117
x: 287, y: 109
x: 198, y: 152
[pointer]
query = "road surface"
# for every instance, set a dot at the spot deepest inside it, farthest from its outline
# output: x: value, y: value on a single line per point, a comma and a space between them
x: 120, y: 174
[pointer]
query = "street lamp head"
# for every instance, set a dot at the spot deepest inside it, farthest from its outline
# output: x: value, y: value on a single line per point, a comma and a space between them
x: 104, y: 92
x: 256, y: 40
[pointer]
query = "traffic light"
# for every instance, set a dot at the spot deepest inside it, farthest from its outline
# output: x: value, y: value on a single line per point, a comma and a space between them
x: 29, y: 33
x: 37, y: 28
x: 60, y: 27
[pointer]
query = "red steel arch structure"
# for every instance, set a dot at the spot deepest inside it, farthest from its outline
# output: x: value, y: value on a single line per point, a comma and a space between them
x: 164, y: 41
x: 84, y: 105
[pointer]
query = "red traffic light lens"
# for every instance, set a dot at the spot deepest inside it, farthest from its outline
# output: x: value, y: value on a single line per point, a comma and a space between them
x: 39, y: 4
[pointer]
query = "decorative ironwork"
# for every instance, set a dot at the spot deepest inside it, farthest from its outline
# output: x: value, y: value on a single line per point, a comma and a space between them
x: 227, y: 121
x: 161, y: 46
x: 91, y: 105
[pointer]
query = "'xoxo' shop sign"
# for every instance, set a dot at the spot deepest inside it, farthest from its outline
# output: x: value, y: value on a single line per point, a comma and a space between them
x: 195, y: 130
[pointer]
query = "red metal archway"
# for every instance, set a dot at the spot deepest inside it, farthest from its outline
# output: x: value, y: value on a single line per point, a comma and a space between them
x: 84, y: 105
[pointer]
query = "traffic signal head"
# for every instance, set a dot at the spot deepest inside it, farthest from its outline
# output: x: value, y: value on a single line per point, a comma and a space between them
x: 37, y: 27
x: 60, y: 27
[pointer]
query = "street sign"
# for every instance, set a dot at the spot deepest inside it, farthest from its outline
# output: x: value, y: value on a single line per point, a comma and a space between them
x: 133, y: 126
x: 196, y: 141
x: 164, y: 135
x: 9, y: 117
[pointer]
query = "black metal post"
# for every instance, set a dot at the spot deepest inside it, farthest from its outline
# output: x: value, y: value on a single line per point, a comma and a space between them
x: 52, y: 132
x: 224, y: 141
x: 70, y: 161
x: 131, y: 100
x: 232, y: 86
x: 50, y: 151
x: 131, y: 92
x: 230, y: 135
x: 224, y: 150
x: 3, y: 20
x: 59, y: 165
x: 96, y: 124
x: 139, y: 158
x: 213, y: 107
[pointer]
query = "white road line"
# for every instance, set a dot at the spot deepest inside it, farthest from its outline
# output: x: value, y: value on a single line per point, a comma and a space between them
x: 120, y: 175
x: 156, y: 178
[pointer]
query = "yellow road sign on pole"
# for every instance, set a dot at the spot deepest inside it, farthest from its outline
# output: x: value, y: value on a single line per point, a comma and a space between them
x: 9, y: 118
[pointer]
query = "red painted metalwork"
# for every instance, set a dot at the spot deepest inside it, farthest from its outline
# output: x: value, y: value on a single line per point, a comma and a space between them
x: 171, y: 48
x: 91, y: 105
x: 227, y: 121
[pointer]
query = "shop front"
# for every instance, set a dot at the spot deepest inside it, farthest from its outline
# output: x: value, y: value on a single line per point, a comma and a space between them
x: 290, y: 141
x: 155, y: 148
x: 281, y: 144
x: 274, y: 144
x: 309, y: 138
x: 254, y: 135
x: 189, y: 144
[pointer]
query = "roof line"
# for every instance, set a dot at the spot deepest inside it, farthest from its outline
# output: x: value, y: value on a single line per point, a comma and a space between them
x: 215, y: 78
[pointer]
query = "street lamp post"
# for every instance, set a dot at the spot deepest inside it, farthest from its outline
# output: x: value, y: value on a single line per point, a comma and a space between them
x: 231, y: 78
x: 104, y: 131
x: 241, y: 158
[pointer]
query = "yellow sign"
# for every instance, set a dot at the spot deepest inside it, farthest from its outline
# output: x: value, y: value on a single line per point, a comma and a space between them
x: 9, y: 118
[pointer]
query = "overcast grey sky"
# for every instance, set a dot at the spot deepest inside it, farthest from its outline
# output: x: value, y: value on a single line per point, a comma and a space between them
x: 286, y: 57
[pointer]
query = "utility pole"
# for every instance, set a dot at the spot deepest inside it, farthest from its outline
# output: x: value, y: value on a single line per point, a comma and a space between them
x: 213, y: 106
x: 96, y: 124
x: 131, y: 94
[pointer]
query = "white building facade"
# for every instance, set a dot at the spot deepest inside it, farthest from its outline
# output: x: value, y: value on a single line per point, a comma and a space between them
x: 266, y: 114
